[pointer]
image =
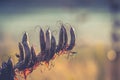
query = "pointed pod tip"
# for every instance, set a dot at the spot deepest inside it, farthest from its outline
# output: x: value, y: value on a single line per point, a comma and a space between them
x: 41, y: 29
x: 48, y: 31
x: 9, y: 60
x: 25, y: 36
x: 72, y: 31
x: 53, y: 38
x: 71, y: 28
x: 62, y: 26
x: 41, y: 32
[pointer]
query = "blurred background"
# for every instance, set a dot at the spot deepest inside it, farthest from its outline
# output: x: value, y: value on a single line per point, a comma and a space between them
x: 97, y: 29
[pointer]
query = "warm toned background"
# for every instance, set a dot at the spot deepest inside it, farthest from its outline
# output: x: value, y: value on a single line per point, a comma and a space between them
x: 93, y: 23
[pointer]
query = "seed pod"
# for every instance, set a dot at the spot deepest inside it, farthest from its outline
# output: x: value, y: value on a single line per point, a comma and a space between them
x: 33, y: 54
x: 26, y: 48
x: 53, y: 47
x: 42, y: 40
x: 10, y: 69
x: 48, y: 39
x: 48, y: 46
x: 60, y: 43
x: 7, y: 72
x: 9, y: 63
x: 23, y: 64
x: 21, y: 57
x: 72, y: 41
x: 65, y: 38
x: 33, y: 58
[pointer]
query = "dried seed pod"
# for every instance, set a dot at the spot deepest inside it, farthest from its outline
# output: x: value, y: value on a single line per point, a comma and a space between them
x: 7, y: 72
x: 53, y: 47
x: 23, y: 64
x: 9, y: 63
x: 33, y: 54
x: 48, y: 39
x: 72, y: 41
x: 33, y: 58
x: 26, y: 48
x: 42, y: 40
x: 51, y: 52
x: 65, y: 37
x: 28, y: 58
x: 21, y: 56
x: 10, y: 69
x: 60, y: 43
x: 48, y: 45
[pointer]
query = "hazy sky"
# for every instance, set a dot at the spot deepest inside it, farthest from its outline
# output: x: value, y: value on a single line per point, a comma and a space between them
x: 90, y: 18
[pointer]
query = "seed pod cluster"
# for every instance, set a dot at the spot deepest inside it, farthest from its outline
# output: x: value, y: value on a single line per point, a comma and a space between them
x: 27, y: 58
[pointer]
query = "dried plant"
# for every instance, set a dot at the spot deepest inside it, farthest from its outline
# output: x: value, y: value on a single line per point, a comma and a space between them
x: 27, y: 58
